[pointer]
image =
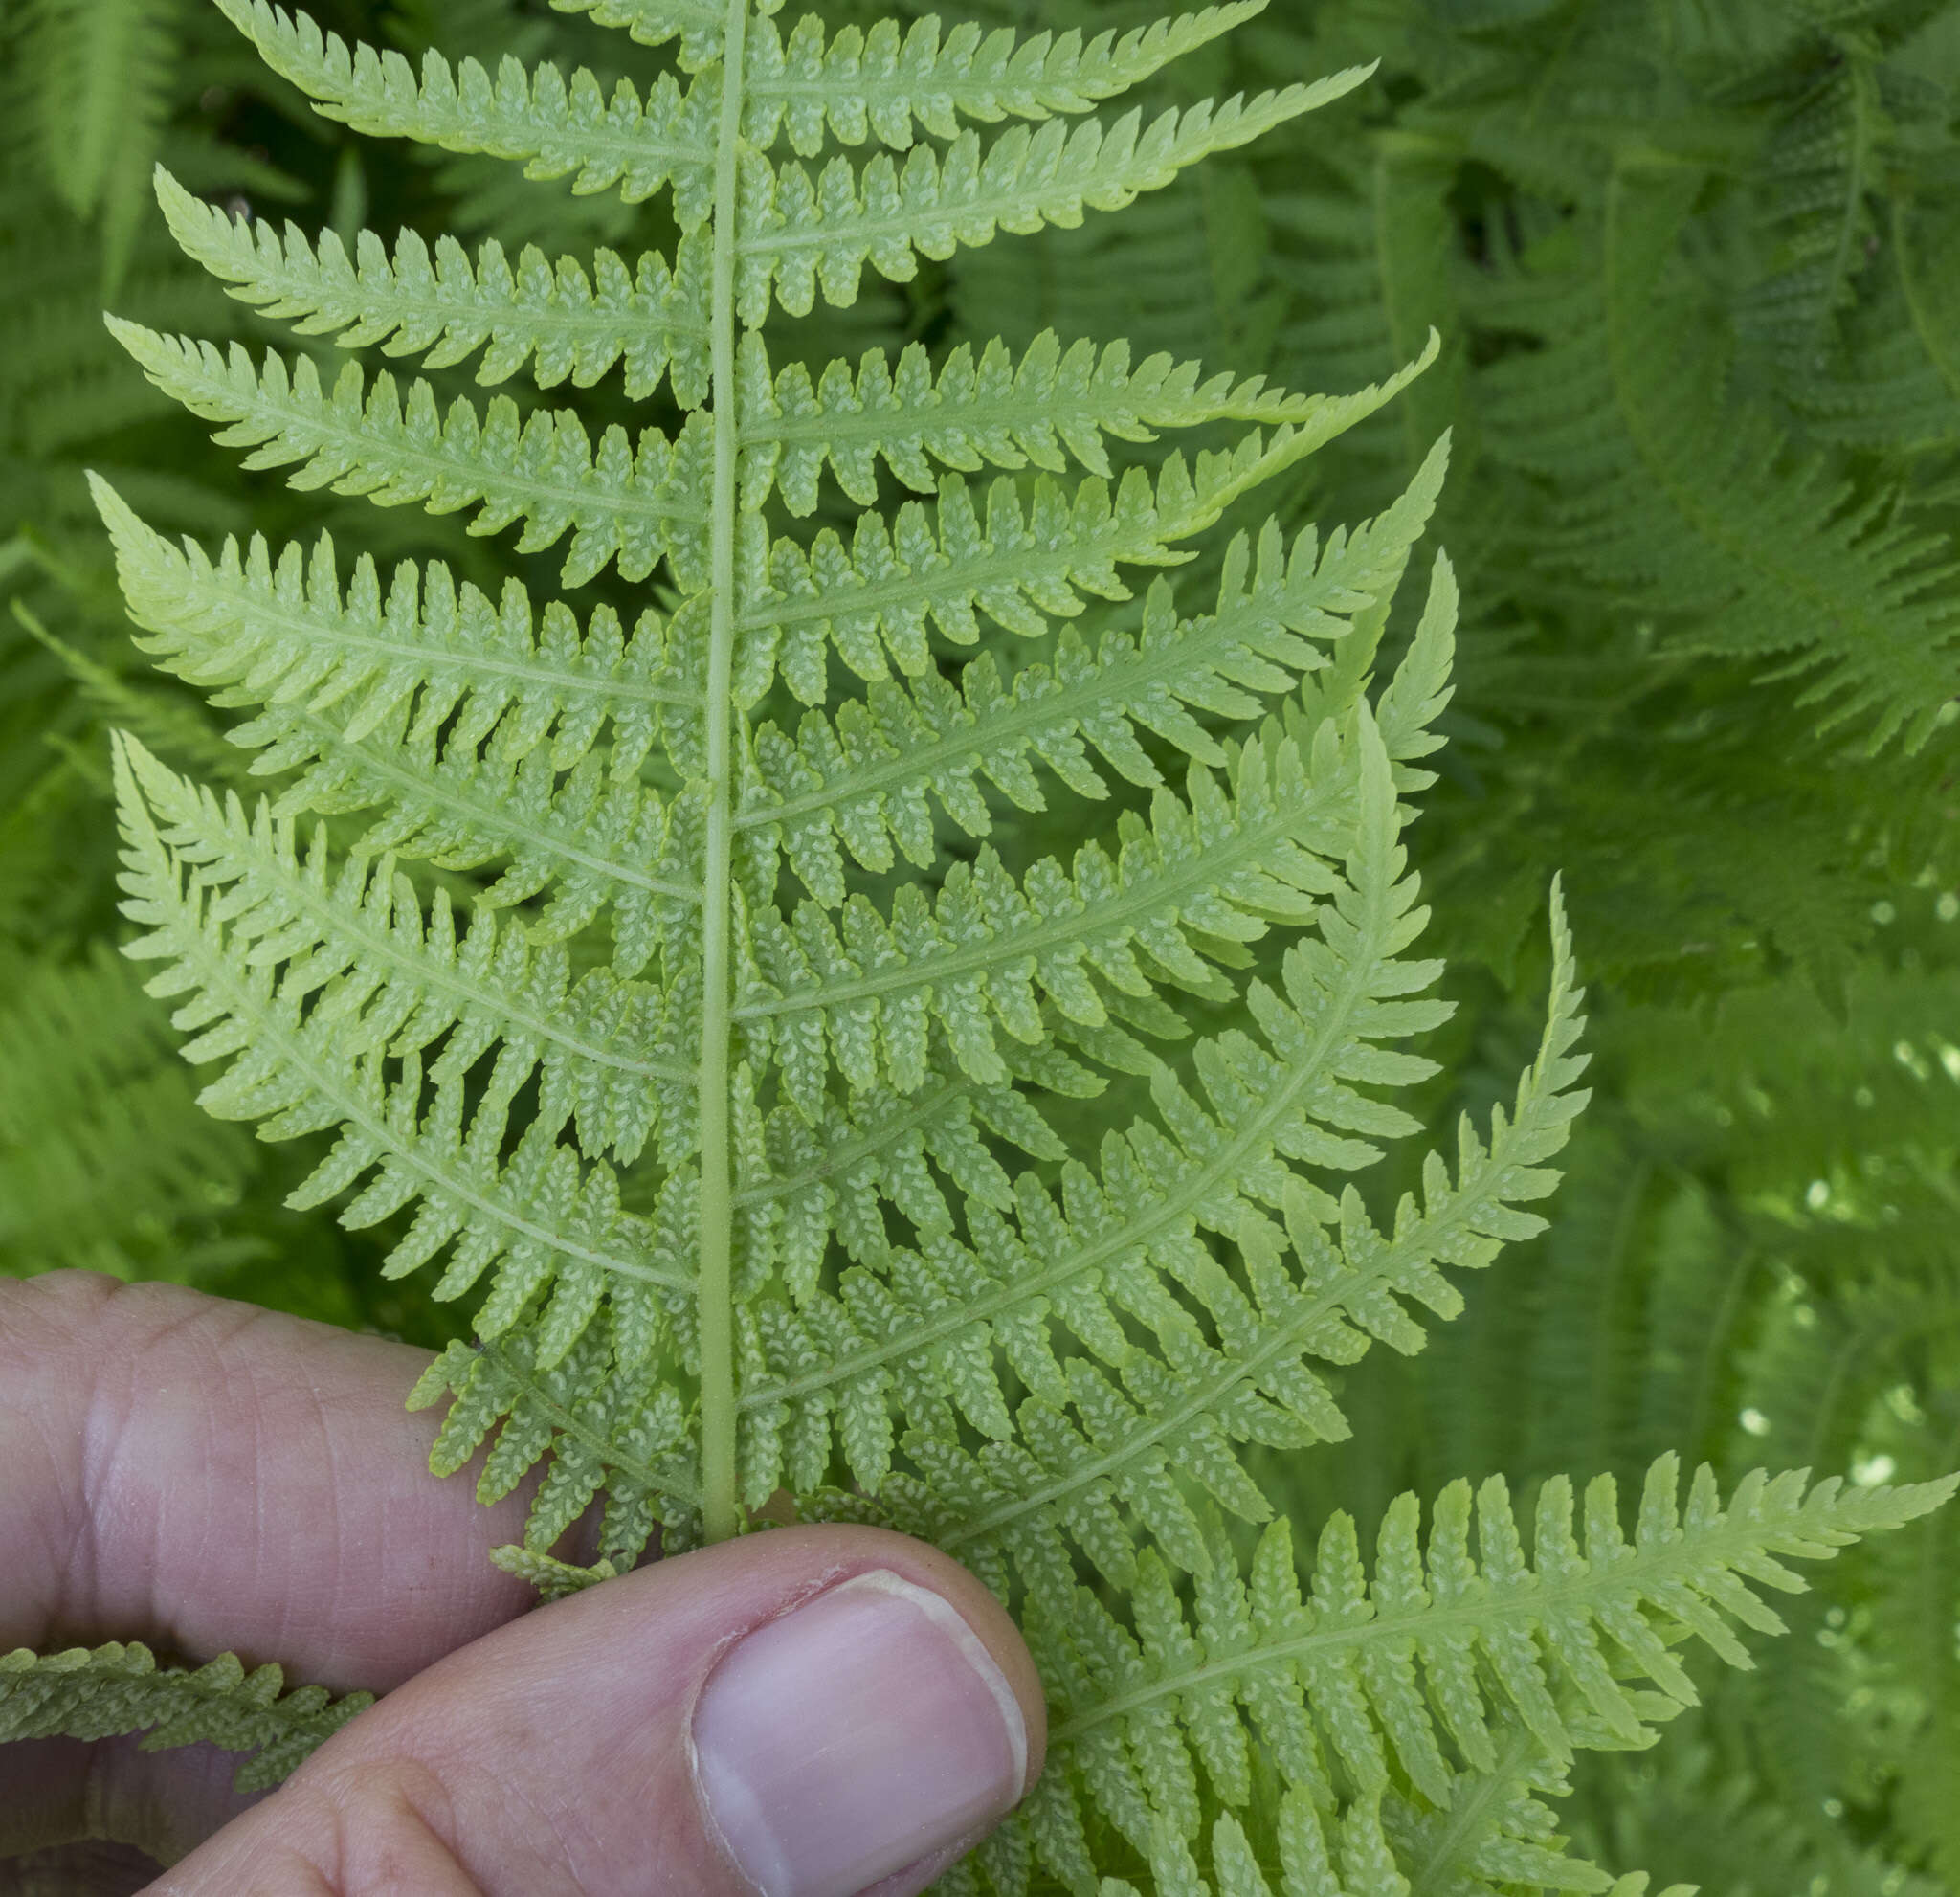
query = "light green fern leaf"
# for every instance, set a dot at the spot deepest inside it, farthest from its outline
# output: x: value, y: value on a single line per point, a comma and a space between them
x: 879, y: 83
x: 1145, y: 1717
x: 783, y: 1147
x: 804, y: 234
x: 633, y: 502
x: 1044, y: 409
x: 566, y: 320
x: 94, y: 1693
x: 665, y: 141
x: 865, y: 777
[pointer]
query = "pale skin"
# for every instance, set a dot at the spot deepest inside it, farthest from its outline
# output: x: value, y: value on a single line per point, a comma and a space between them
x: 204, y: 1476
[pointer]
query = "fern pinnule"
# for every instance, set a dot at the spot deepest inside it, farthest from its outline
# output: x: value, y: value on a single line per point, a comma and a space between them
x: 562, y: 318
x: 405, y: 981
x: 1046, y: 407
x: 1142, y: 1715
x: 861, y: 777
x: 636, y: 146
x: 630, y: 501
x: 884, y: 82
x: 92, y: 1693
x: 539, y: 1215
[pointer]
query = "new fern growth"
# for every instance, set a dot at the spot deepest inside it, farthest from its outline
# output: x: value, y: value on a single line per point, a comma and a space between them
x: 728, y: 1044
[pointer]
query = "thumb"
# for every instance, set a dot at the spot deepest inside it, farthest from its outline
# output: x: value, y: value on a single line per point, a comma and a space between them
x: 809, y: 1712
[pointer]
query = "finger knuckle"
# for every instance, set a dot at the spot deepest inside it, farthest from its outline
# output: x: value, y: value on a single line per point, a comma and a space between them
x: 392, y: 1829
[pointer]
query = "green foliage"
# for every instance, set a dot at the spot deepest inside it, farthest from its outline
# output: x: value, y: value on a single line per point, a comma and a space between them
x: 92, y: 1089
x: 838, y: 862
x: 92, y: 1693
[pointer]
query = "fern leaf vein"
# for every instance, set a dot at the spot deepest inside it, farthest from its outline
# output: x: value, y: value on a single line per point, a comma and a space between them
x: 558, y: 125
x: 569, y: 322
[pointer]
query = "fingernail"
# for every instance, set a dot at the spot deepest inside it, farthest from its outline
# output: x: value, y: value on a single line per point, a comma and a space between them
x: 861, y: 1732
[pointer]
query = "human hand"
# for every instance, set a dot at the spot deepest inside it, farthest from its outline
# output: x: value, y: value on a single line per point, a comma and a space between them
x: 811, y: 1712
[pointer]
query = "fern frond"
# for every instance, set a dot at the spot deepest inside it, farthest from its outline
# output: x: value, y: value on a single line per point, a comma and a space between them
x: 1329, y: 1679
x: 861, y: 779
x: 624, y: 500
x: 1916, y: 1610
x: 1010, y: 1511
x: 619, y: 1433
x: 98, y: 75
x: 542, y: 1219
x: 1121, y: 1237
x: 1820, y: 169
x: 1764, y: 555
x: 665, y: 141
x: 1049, y: 406
x: 815, y: 1182
x: 563, y: 320
x: 91, y: 1090
x: 300, y: 636
x: 102, y: 1693
x: 879, y: 83
x: 405, y: 982
x: 909, y: 1190
x: 1211, y: 867
x: 1492, y: 1835
x: 1202, y: 876
x: 1493, y: 1830
x: 1023, y: 563
x: 600, y: 845
x: 476, y: 727
x: 1821, y: 1361
x: 802, y: 234
x: 1695, y: 1815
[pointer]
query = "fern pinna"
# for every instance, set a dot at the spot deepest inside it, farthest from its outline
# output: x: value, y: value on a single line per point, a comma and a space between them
x: 731, y: 1041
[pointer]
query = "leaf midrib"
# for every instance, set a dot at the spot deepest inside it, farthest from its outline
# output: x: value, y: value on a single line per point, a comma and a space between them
x: 219, y: 978
x: 715, y: 1291
x: 1535, y: 1601
x: 380, y: 944
x: 1204, y: 869
x: 568, y: 684
x: 496, y: 816
x: 1223, y: 1162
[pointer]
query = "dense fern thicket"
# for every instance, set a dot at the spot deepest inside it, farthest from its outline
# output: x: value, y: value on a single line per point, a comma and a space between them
x: 1693, y: 267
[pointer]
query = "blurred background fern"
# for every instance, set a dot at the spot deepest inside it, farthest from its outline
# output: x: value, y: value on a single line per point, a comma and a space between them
x: 1696, y: 266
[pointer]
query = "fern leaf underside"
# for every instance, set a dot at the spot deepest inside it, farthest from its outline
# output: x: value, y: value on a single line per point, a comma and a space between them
x: 751, y: 1147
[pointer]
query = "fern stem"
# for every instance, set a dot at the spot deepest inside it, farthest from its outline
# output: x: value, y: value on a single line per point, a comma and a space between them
x: 715, y: 1296
x: 918, y: 1111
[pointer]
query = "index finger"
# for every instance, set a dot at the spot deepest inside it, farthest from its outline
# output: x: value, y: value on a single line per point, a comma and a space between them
x: 204, y: 1476
x: 207, y: 1476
